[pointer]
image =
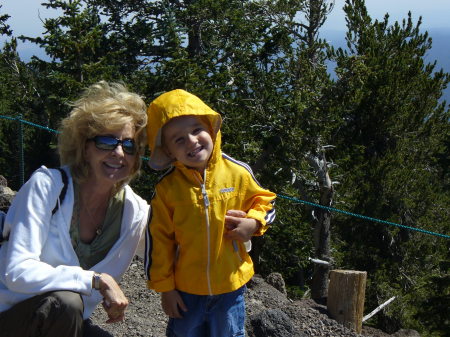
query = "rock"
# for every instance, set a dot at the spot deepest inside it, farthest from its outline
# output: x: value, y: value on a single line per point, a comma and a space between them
x: 276, y: 280
x: 3, y: 181
x: 6, y: 195
x: 406, y: 333
x: 271, y: 323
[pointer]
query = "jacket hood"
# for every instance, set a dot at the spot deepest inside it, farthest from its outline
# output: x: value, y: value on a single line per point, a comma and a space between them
x: 173, y: 104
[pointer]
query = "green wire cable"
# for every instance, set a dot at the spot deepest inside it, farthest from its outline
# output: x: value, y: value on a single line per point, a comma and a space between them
x: 21, y: 155
x: 331, y: 209
x: 29, y: 123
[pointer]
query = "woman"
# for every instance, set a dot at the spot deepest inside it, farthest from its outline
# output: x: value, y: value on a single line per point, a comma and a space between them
x: 56, y: 268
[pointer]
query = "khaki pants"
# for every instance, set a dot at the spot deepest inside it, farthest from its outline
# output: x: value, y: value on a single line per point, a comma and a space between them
x: 53, y: 314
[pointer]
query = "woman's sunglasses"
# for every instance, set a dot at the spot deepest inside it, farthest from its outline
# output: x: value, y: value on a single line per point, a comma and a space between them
x: 109, y: 143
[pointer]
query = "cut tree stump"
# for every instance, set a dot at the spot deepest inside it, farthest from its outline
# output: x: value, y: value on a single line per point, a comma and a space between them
x: 345, y: 302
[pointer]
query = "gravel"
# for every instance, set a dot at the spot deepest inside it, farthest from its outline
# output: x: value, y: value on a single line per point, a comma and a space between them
x: 144, y: 316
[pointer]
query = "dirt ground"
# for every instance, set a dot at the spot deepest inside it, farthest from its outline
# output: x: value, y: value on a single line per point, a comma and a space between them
x: 145, y: 317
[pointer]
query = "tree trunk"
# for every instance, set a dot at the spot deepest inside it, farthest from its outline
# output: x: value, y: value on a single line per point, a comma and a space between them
x: 319, y: 287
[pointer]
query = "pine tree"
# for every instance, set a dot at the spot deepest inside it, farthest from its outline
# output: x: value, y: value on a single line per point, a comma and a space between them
x: 391, y: 142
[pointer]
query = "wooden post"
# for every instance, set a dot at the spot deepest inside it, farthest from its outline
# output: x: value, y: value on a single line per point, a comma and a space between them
x: 345, y: 301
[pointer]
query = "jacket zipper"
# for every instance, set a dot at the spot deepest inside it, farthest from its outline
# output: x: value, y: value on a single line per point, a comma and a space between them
x: 206, y: 202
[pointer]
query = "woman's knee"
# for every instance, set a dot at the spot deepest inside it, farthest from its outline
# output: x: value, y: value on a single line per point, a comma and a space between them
x: 68, y: 303
x: 65, y: 313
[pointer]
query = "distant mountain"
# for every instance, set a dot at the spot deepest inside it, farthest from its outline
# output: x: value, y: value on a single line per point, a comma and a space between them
x: 441, y: 48
x: 440, y: 51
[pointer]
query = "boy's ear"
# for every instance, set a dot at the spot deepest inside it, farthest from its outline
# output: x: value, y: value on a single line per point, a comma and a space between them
x: 168, y: 153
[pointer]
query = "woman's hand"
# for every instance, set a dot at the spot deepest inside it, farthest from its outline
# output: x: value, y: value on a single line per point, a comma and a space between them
x: 239, y: 227
x: 171, y: 303
x: 114, y: 300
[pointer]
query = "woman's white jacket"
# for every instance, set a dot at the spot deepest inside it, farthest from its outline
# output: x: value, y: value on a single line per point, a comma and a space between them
x: 39, y: 257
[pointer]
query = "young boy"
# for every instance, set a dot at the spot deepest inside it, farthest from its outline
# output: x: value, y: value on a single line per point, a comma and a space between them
x: 204, y: 208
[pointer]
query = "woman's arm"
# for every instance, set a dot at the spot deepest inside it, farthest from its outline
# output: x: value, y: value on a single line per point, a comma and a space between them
x: 30, y: 266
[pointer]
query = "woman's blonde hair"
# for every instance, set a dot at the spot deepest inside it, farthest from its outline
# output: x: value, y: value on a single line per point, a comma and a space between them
x: 102, y: 106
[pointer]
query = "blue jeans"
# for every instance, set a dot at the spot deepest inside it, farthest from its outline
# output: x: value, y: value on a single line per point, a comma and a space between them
x: 210, y: 316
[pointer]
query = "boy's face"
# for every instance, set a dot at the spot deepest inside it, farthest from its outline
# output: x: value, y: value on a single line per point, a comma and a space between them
x: 187, y: 140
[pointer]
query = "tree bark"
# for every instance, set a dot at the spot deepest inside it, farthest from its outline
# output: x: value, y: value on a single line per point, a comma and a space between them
x: 319, y: 287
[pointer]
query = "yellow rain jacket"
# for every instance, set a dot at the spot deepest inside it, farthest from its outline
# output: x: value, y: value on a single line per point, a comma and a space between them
x: 186, y: 248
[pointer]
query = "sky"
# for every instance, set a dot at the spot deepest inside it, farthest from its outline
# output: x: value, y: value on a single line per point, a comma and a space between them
x: 26, y: 16
x: 25, y: 13
x: 435, y: 13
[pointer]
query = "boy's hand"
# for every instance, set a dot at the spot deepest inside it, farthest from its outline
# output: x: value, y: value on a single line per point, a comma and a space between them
x: 171, y: 302
x: 239, y: 227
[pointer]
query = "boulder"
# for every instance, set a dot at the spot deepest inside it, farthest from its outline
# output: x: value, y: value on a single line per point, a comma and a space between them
x: 276, y: 280
x: 406, y: 333
x: 271, y: 323
x: 6, y: 195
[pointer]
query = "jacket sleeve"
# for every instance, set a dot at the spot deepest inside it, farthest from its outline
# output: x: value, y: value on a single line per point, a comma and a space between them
x: 30, y: 218
x: 160, y: 238
x: 259, y: 204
